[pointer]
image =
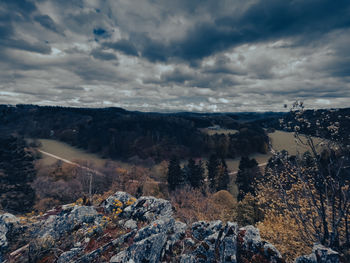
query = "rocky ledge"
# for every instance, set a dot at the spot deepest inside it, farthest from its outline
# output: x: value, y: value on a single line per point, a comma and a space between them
x: 125, y: 229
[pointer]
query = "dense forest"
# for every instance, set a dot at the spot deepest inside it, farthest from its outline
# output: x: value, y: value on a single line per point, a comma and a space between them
x: 16, y: 174
x: 120, y: 134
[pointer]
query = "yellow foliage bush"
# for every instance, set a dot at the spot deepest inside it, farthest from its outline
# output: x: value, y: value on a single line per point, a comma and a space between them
x: 226, y: 204
x: 224, y: 198
x: 46, y: 204
x: 283, y: 232
x: 248, y: 211
x: 193, y: 205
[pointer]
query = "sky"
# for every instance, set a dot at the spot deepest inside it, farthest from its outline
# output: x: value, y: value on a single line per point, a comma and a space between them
x: 166, y: 55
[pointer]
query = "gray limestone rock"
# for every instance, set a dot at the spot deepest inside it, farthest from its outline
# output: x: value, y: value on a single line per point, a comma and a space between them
x: 228, y: 243
x: 161, y: 239
x: 110, y: 203
x: 131, y: 224
x: 67, y: 256
x: 202, y: 229
x: 320, y: 254
x: 7, y: 222
x: 148, y: 243
x: 148, y: 208
x: 249, y: 244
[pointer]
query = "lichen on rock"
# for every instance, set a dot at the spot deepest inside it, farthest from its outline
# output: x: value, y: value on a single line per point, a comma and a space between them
x: 145, y: 231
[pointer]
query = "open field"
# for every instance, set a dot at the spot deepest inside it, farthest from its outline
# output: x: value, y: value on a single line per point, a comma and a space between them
x: 53, y: 150
x: 67, y: 152
x: 218, y: 131
x: 282, y: 140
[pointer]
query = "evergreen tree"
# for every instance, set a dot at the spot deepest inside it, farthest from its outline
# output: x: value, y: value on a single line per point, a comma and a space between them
x: 139, y: 192
x: 213, y: 169
x: 175, y: 174
x: 200, y: 173
x: 195, y: 173
x: 223, y: 176
x: 246, y: 176
x: 16, y: 174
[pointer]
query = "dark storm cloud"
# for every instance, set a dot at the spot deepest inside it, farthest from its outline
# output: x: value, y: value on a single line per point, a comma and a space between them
x: 100, y: 31
x: 223, y: 65
x: 201, y: 55
x: 90, y: 73
x: 123, y: 46
x: 18, y: 11
x: 337, y: 66
x: 6, y: 31
x: 72, y: 88
x: 46, y: 22
x: 263, y: 21
x: 177, y: 76
x: 20, y: 44
x: 102, y: 55
x: 19, y: 7
x: 337, y: 61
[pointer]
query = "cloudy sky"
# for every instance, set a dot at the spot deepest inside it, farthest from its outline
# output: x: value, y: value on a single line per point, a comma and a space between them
x: 174, y: 55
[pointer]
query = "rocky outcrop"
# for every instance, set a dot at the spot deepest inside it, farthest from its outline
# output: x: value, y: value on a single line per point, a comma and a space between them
x: 7, y: 225
x: 148, y: 208
x: 149, y: 243
x: 46, y: 232
x: 124, y: 229
x: 118, y: 200
x: 251, y: 247
x: 213, y: 242
x: 7, y: 222
x: 320, y: 254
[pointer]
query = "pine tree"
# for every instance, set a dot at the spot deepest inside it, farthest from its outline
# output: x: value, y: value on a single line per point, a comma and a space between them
x: 175, y: 174
x: 246, y: 176
x: 16, y: 174
x: 213, y: 169
x: 200, y: 173
x: 223, y: 176
x: 195, y: 173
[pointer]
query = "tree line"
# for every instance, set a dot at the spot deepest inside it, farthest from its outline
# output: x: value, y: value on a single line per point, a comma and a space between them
x: 216, y: 178
x: 193, y: 174
x: 119, y: 134
x: 16, y: 175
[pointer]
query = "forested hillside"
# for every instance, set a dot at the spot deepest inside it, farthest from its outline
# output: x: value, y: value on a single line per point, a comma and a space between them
x: 121, y: 134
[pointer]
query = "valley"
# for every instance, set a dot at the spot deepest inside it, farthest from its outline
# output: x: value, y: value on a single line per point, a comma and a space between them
x: 280, y: 140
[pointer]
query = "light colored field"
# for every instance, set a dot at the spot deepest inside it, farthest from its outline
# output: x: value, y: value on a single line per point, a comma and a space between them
x: 285, y: 141
x: 72, y: 154
x: 68, y: 152
x: 218, y: 131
